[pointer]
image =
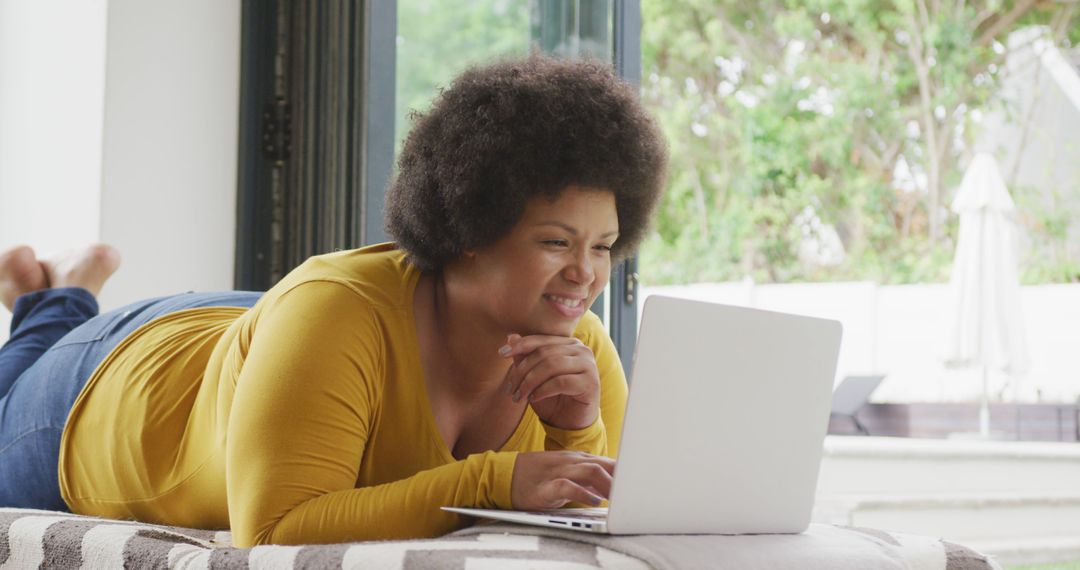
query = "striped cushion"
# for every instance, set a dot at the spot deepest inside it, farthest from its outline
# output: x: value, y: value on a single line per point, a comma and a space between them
x: 43, y: 539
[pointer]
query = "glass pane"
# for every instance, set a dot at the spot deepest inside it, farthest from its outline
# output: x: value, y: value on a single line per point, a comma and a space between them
x: 820, y: 159
x: 438, y: 40
x: 573, y: 28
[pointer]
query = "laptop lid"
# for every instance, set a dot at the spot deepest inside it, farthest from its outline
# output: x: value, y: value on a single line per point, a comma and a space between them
x: 725, y: 421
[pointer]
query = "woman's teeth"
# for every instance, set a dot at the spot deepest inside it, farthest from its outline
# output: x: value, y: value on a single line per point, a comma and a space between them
x: 564, y: 301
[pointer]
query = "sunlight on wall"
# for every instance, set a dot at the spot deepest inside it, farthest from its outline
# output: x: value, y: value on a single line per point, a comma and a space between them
x: 52, y: 73
x: 120, y: 124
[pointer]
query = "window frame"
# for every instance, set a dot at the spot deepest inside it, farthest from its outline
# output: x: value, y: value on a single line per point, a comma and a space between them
x: 260, y: 76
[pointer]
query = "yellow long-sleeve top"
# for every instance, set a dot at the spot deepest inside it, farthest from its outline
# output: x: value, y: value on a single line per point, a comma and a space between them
x: 304, y: 419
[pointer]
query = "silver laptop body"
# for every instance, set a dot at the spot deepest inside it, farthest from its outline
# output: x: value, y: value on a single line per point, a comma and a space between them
x: 724, y: 426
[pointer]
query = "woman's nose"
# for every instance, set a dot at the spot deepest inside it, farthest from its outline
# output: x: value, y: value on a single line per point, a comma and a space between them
x: 581, y: 270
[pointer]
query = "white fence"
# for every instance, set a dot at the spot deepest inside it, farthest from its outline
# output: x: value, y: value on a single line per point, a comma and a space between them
x: 899, y: 331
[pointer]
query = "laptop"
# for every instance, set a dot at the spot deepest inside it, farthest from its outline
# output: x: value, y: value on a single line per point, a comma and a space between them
x: 724, y: 425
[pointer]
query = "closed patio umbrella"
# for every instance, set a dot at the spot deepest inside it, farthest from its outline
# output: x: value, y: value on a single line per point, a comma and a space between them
x: 987, y: 328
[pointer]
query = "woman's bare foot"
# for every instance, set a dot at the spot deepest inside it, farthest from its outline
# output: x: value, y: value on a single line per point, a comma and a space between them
x: 88, y: 267
x: 20, y: 273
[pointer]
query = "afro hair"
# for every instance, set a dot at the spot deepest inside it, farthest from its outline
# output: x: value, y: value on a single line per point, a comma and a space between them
x: 505, y: 133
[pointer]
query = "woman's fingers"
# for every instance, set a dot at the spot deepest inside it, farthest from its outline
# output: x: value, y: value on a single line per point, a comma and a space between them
x: 591, y: 475
x: 607, y: 463
x: 519, y: 345
x: 547, y: 371
x: 562, y: 491
x: 546, y: 362
x: 550, y: 479
x: 569, y: 385
x: 570, y: 381
x: 585, y: 482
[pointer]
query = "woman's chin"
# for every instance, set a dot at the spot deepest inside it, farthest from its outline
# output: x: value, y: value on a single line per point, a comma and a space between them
x: 545, y: 323
x: 561, y: 328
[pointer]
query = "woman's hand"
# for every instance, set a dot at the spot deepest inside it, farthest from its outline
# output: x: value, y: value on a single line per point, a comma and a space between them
x: 551, y: 479
x: 558, y: 377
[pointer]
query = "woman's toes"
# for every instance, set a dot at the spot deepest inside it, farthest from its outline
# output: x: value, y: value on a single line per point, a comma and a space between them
x: 20, y: 273
x: 88, y: 267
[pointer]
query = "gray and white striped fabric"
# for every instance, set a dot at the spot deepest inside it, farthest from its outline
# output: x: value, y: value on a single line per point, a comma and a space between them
x: 43, y: 539
x: 821, y: 547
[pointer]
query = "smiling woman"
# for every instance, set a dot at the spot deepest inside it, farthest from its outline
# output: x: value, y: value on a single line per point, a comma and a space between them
x: 558, y: 256
x: 456, y: 367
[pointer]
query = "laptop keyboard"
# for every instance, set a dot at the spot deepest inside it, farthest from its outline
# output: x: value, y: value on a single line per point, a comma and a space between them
x: 592, y: 514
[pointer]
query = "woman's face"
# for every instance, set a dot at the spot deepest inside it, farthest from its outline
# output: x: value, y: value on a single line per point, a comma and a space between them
x: 544, y: 275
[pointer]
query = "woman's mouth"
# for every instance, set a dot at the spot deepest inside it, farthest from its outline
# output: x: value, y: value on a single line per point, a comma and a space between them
x: 566, y: 306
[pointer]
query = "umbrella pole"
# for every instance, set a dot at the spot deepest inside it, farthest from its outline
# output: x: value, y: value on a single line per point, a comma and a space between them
x: 984, y: 408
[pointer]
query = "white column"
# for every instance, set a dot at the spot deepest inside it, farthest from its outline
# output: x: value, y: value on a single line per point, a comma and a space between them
x: 52, y: 97
x: 120, y: 124
x: 168, y: 198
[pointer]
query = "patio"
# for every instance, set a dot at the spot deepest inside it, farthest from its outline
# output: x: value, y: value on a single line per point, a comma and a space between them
x: 1016, y: 497
x: 1017, y: 501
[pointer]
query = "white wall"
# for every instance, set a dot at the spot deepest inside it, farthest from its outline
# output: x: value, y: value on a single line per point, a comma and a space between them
x: 52, y: 94
x: 120, y: 124
x: 168, y: 197
x: 900, y: 331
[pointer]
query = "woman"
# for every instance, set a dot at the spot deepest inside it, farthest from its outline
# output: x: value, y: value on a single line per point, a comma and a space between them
x: 457, y: 367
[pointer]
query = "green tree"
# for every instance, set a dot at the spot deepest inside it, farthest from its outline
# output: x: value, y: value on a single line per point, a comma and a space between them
x: 790, y: 118
x: 438, y: 40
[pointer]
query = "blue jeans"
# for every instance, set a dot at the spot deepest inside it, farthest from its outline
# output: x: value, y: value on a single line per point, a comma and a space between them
x: 57, y: 340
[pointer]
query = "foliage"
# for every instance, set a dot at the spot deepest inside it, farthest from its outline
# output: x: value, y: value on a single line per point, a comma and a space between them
x: 438, y: 40
x: 1050, y: 248
x: 789, y: 118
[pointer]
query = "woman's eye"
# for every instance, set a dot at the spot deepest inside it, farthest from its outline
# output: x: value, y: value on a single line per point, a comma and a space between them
x: 555, y: 242
x: 603, y: 247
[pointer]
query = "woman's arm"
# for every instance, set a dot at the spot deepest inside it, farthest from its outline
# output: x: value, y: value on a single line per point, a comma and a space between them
x: 304, y: 405
x: 301, y: 416
x: 408, y: 508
